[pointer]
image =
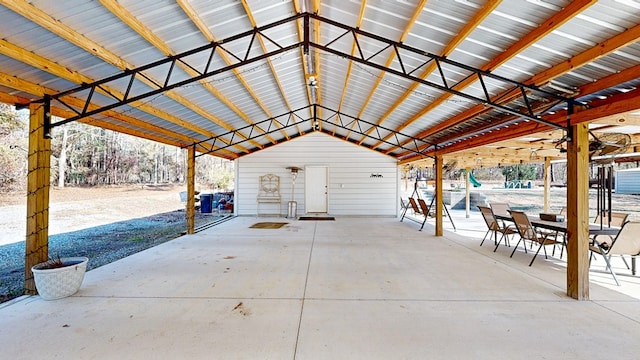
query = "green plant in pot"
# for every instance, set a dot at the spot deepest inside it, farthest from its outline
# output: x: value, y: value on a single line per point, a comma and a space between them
x: 59, y: 277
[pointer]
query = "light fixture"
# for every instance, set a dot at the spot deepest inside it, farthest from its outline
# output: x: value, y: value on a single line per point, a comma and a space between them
x: 561, y: 88
x: 313, y: 82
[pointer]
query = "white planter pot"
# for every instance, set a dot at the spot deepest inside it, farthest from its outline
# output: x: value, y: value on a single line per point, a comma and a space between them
x: 60, y: 282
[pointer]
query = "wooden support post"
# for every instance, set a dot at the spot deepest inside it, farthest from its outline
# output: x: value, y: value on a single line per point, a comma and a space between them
x: 37, y: 239
x: 546, y: 178
x: 467, y: 187
x: 578, y: 213
x: 191, y: 192
x: 438, y: 195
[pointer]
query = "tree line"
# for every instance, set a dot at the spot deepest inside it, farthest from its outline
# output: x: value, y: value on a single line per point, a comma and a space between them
x: 84, y: 155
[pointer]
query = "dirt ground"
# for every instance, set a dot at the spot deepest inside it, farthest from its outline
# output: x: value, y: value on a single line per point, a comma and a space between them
x: 73, y: 208
x: 102, y: 223
x: 67, y: 194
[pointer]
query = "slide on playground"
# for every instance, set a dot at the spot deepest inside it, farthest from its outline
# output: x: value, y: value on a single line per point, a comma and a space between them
x: 474, y: 181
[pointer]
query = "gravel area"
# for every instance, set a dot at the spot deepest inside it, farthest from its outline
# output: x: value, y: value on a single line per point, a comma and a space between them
x: 101, y: 244
x: 103, y: 224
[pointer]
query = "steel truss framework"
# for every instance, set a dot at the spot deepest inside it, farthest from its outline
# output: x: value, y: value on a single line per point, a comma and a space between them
x: 96, y: 97
x: 332, y: 118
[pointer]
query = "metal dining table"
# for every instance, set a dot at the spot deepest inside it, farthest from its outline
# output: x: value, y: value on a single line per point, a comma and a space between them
x: 561, y: 226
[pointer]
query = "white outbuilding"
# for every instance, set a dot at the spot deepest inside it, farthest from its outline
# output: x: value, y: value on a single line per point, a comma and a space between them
x: 336, y: 178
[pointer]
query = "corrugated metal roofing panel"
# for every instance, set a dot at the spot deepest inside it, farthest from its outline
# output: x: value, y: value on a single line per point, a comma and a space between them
x: 72, y: 11
x: 345, y: 12
x: 203, y: 98
x: 52, y: 47
x: 615, y: 14
x: 240, y: 97
x: 12, y: 23
x: 95, y: 22
x: 375, y: 109
x: 500, y: 29
x: 359, y: 85
x: 437, y: 24
x: 32, y: 75
x: 138, y: 52
x: 266, y: 12
x: 332, y: 80
x: 224, y: 19
x: 167, y: 21
x: 264, y: 85
x: 99, y: 25
x: 390, y: 90
x: 289, y: 70
x: 23, y: 71
x: 388, y: 18
x: 11, y: 91
x: 623, y: 59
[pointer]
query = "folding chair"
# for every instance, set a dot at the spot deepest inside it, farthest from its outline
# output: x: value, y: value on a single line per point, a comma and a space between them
x: 500, y: 208
x: 528, y: 232
x: 627, y: 242
x: 494, y: 227
x: 617, y: 220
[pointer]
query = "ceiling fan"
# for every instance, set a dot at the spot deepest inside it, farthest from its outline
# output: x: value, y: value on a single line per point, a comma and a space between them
x: 604, y: 146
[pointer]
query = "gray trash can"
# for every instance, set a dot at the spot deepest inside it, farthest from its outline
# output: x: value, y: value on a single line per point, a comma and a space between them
x: 293, y: 209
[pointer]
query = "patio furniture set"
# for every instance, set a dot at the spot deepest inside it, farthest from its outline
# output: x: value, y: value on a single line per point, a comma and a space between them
x: 609, y: 234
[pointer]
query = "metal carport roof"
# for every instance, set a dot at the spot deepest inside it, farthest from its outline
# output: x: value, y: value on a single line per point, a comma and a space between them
x: 406, y: 78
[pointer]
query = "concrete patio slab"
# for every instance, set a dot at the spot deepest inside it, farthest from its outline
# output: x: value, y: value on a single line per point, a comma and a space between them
x: 418, y: 329
x: 353, y: 288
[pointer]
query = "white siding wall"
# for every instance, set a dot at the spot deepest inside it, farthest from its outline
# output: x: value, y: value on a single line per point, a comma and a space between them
x: 351, y: 188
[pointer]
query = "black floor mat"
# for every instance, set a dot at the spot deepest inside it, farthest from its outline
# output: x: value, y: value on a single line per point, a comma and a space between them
x: 316, y: 218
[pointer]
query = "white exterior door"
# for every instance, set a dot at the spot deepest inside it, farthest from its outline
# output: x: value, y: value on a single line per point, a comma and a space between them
x: 315, y: 189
